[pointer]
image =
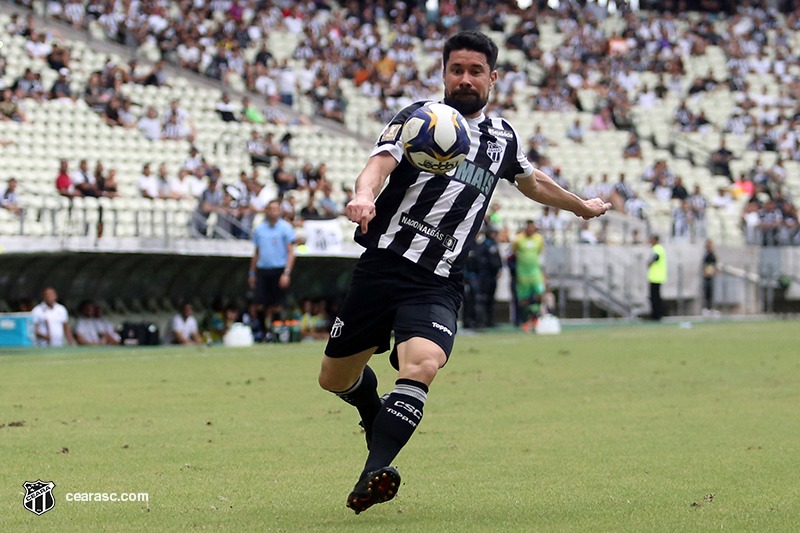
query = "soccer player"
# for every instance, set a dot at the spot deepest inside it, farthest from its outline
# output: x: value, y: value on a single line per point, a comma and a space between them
x: 417, y: 233
x: 528, y: 247
x: 657, y: 276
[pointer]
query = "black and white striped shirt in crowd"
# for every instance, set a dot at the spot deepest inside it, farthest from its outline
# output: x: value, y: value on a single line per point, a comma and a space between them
x: 432, y: 219
x: 75, y: 12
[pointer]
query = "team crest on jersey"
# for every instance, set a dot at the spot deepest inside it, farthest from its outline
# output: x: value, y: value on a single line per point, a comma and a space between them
x: 494, y: 151
x: 38, y: 497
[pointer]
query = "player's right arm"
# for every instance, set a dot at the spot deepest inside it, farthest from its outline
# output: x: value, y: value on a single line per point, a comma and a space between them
x: 361, y: 208
x: 385, y: 157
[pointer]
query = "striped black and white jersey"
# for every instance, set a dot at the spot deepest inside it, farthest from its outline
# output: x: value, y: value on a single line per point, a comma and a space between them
x: 432, y: 219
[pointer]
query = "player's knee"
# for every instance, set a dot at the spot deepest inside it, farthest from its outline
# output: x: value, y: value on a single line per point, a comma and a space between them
x: 325, y: 381
x: 423, y: 369
x: 329, y: 379
x: 429, y: 368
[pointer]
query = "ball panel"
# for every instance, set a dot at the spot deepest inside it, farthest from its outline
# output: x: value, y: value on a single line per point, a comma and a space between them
x: 411, y: 128
x: 445, y: 135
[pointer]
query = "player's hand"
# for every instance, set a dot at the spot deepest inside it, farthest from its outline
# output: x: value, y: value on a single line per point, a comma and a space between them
x: 592, y: 208
x: 252, y: 282
x: 283, y: 283
x: 361, y: 210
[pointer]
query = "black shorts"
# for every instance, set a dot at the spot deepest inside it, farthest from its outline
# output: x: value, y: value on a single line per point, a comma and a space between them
x: 268, y: 291
x: 390, y: 293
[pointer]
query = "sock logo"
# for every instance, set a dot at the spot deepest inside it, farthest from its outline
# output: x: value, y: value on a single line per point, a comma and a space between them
x: 410, y: 408
x: 442, y: 328
x: 336, y: 329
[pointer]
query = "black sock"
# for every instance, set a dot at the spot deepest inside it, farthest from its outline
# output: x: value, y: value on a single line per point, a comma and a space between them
x: 364, y: 396
x: 396, y: 422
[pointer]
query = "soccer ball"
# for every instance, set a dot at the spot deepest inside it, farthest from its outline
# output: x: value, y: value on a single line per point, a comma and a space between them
x: 436, y: 138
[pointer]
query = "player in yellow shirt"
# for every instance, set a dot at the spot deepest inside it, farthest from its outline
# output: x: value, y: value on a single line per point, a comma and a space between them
x: 528, y: 247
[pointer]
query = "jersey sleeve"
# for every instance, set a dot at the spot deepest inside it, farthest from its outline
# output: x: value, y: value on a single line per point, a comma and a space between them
x: 389, y: 140
x: 289, y: 233
x: 521, y: 168
x: 177, y: 324
x: 515, y: 243
x: 63, y: 315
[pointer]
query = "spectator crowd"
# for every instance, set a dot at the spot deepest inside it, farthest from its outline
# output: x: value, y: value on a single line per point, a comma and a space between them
x: 593, y: 70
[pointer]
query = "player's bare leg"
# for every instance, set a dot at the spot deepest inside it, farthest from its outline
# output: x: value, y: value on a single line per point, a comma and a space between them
x: 354, y: 382
x: 339, y: 374
x: 420, y: 359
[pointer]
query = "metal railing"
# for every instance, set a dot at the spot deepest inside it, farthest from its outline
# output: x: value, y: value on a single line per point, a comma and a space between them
x: 91, y: 217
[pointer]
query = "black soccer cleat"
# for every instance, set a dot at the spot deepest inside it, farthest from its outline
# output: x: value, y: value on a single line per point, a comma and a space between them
x: 376, y: 487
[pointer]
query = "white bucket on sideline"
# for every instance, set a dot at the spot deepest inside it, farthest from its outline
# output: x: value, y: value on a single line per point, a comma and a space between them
x: 548, y: 325
x: 238, y: 335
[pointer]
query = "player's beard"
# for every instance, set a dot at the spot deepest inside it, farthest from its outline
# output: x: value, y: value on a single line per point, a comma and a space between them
x: 466, y: 101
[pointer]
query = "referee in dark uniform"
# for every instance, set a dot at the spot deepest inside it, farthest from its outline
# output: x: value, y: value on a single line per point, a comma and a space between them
x: 417, y: 234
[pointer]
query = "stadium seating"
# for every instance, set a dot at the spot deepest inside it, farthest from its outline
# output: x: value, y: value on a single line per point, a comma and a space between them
x: 72, y: 131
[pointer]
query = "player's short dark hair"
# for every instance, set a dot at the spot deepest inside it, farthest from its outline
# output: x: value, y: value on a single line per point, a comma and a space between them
x: 471, y: 40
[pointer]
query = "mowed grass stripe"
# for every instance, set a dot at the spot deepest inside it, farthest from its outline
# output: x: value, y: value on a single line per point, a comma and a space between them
x: 616, y: 429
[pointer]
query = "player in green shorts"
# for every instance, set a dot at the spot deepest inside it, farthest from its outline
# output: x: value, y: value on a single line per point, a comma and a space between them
x: 528, y: 247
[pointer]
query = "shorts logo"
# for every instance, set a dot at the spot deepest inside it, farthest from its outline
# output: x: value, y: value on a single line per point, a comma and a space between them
x: 336, y: 329
x: 38, y: 497
x: 494, y: 151
x: 442, y: 328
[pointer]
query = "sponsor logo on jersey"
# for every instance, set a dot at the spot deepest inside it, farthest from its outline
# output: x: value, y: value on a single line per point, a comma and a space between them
x: 501, y: 133
x: 471, y: 174
x: 442, y: 328
x: 447, y: 240
x: 494, y: 151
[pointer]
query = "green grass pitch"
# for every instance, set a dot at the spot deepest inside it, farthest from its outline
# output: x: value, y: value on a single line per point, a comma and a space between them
x: 617, y: 429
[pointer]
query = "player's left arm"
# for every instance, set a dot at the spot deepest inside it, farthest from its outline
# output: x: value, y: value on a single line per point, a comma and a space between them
x: 287, y: 272
x: 541, y: 188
